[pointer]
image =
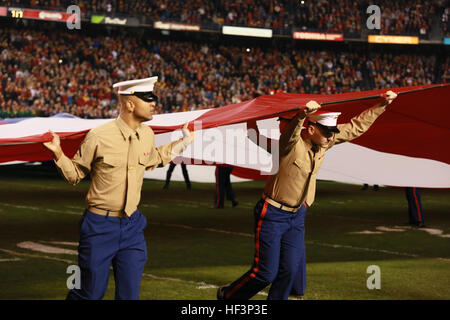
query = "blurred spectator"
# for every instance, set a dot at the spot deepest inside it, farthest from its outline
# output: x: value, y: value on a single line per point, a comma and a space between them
x: 185, y: 175
x: 445, y: 22
x: 224, y: 189
x: 43, y: 73
x: 446, y: 71
x: 415, y: 212
x: 401, y: 16
x: 397, y: 70
x: 413, y: 17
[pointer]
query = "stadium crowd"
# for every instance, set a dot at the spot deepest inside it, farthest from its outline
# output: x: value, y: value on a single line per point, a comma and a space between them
x: 405, y: 16
x: 43, y: 73
x: 398, y: 17
x: 392, y: 70
x: 446, y: 71
x: 445, y: 21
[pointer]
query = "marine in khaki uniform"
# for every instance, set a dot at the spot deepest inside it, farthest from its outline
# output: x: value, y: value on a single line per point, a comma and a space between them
x: 279, y: 216
x: 116, y: 156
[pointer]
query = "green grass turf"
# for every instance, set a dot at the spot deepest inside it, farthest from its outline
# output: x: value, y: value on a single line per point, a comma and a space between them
x: 193, y: 248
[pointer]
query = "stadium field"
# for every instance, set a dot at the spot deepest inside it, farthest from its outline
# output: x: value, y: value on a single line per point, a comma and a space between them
x: 193, y: 249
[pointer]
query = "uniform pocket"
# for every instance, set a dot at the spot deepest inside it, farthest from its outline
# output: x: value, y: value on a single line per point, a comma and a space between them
x: 112, y: 160
x: 144, y: 160
x: 296, y: 168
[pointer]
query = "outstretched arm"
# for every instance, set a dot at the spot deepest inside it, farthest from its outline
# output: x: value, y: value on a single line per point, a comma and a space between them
x: 76, y: 169
x: 362, y: 122
x: 164, y: 154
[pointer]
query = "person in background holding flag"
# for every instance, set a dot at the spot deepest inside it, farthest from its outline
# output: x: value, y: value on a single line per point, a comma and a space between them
x: 415, y: 212
x: 279, y: 257
x: 116, y: 155
x: 223, y: 187
x: 185, y: 175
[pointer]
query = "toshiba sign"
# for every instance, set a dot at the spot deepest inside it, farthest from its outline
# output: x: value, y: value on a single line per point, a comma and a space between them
x: 301, y: 35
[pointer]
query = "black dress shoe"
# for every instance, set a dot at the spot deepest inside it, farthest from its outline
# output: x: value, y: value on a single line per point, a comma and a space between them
x: 420, y: 225
x: 221, y: 293
x: 296, y: 293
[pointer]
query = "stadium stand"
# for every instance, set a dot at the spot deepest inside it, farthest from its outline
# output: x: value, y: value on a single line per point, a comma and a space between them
x: 43, y: 73
x: 399, y: 17
x: 47, y: 79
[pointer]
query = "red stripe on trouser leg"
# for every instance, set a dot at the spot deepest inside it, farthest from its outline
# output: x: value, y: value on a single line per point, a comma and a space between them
x: 258, y: 229
x: 256, y: 261
x: 417, y: 205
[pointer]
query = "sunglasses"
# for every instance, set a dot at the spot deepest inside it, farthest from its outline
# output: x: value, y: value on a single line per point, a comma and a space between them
x: 326, y: 133
x: 146, y: 96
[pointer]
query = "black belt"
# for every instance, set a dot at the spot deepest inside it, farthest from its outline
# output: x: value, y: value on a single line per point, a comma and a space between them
x: 280, y: 205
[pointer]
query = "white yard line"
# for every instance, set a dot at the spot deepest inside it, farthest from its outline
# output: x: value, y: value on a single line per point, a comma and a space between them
x: 44, y: 248
x: 338, y: 217
x: 382, y: 229
x: 64, y: 243
x: 10, y: 260
x: 308, y: 242
x: 38, y: 256
x: 366, y: 249
x: 20, y: 206
x: 198, y: 285
x: 79, y: 213
x: 39, y: 186
x: 435, y: 232
x: 366, y: 232
x: 173, y: 225
x: 150, y: 205
x: 75, y: 207
x: 431, y: 231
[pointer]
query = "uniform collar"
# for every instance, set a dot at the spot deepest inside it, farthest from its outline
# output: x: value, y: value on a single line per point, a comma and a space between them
x: 126, y: 130
x: 309, y: 145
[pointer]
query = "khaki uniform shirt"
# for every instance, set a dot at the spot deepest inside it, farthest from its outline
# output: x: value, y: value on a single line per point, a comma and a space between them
x: 295, y: 181
x: 104, y: 154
